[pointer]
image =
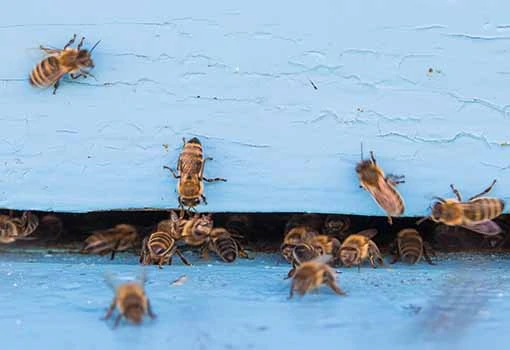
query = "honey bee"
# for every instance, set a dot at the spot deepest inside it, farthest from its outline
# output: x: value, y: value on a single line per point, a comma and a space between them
x: 130, y: 300
x: 410, y: 247
x: 316, y: 246
x: 382, y: 188
x: 116, y: 239
x: 359, y: 247
x: 476, y: 214
x: 12, y: 229
x: 61, y: 62
x: 190, y: 172
x: 8, y: 230
x: 171, y: 226
x: 337, y: 226
x: 294, y: 237
x: 196, y: 231
x: 159, y: 249
x: 224, y: 245
x: 312, y: 274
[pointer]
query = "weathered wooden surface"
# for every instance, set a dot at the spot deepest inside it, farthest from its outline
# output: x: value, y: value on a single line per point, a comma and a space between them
x: 236, y: 75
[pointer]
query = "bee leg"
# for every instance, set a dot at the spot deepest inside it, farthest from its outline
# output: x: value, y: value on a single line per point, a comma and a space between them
x: 75, y: 76
x: 114, y: 250
x: 117, y: 321
x: 390, y: 220
x: 372, y: 263
x: 291, y: 293
x: 172, y: 171
x: 214, y: 180
x: 290, y: 274
x: 70, y: 42
x: 203, y: 199
x: 183, y: 258
x: 395, y: 258
x: 332, y: 284
x: 487, y: 190
x: 395, y: 179
x: 80, y: 44
x: 456, y: 192
x: 372, y: 157
x: 55, y: 87
x: 110, y: 310
x: 426, y: 255
x: 149, y: 310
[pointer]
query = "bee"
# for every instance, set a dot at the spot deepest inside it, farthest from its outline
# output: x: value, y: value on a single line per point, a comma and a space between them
x: 171, y: 226
x: 294, y: 237
x: 312, y: 221
x: 190, y: 172
x: 61, y: 62
x: 316, y: 246
x: 224, y: 245
x: 359, y: 247
x: 312, y: 274
x: 476, y: 214
x: 410, y: 247
x: 382, y: 188
x: 116, y: 239
x: 337, y: 226
x: 130, y: 300
x: 12, y: 229
x: 196, y: 231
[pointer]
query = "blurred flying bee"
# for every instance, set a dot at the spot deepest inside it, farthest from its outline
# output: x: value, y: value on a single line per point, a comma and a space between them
x: 196, y: 231
x: 316, y: 246
x: 337, y: 226
x: 359, y: 247
x: 224, y: 245
x: 12, y: 229
x: 294, y: 237
x: 61, y: 62
x: 190, y: 172
x: 382, y: 188
x: 130, y: 300
x: 312, y: 274
x: 410, y: 247
x: 116, y: 239
x: 476, y: 214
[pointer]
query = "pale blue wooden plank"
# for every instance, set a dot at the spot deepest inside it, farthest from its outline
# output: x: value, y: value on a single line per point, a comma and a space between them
x: 282, y: 145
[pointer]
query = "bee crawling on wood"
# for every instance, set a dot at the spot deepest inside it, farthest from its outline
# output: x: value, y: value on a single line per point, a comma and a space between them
x: 12, y: 229
x: 476, y: 214
x: 190, y: 172
x: 410, y: 247
x: 312, y: 274
x: 382, y: 188
x: 116, y: 239
x: 130, y: 300
x: 160, y: 246
x: 224, y: 245
x: 359, y: 247
x: 61, y: 62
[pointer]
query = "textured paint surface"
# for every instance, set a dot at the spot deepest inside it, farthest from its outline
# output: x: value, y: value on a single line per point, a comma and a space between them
x: 462, y: 303
x: 422, y: 83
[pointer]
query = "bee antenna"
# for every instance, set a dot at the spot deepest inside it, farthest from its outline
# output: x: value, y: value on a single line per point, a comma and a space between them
x: 93, y: 47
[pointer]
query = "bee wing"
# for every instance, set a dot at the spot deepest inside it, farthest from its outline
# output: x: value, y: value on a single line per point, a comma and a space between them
x: 487, y: 228
x: 369, y: 233
x: 324, y: 259
x: 387, y: 197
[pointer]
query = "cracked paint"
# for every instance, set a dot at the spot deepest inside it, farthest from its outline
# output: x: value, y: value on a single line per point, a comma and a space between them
x: 280, y: 102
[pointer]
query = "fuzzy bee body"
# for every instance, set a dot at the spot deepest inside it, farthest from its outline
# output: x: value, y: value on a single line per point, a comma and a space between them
x: 190, y: 172
x: 223, y: 244
x: 409, y: 247
x: 295, y: 236
x: 8, y: 230
x: 130, y: 300
x: 337, y: 226
x: 69, y: 60
x: 159, y: 248
x: 119, y: 238
x: 381, y: 187
x: 12, y: 229
x: 318, y: 245
x: 476, y: 214
x: 196, y: 231
x: 356, y: 249
x: 312, y: 274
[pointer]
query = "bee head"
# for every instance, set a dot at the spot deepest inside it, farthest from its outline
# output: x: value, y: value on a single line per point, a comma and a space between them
x: 287, y: 250
x: 194, y: 140
x: 336, y: 226
x: 367, y: 171
x: 190, y: 202
x: 349, y: 256
x: 84, y: 59
x: 134, y: 313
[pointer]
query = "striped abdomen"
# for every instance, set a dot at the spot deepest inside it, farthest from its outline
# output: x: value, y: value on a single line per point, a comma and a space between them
x: 410, y: 245
x: 28, y: 224
x: 191, y: 158
x: 160, y: 247
x: 8, y: 230
x: 482, y: 209
x: 119, y: 238
x: 303, y: 252
x: 46, y: 73
x: 224, y: 245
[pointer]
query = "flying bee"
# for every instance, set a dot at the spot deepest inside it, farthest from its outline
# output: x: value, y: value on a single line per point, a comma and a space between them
x: 196, y: 231
x: 116, y: 239
x: 61, y: 62
x: 130, y: 300
x: 312, y: 274
x: 295, y: 236
x: 224, y: 245
x: 316, y: 246
x: 337, y: 226
x: 159, y: 248
x: 382, y: 188
x: 476, y: 214
x: 410, y: 247
x: 190, y: 172
x: 359, y: 247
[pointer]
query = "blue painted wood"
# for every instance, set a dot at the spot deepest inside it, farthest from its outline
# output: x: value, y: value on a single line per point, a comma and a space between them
x: 422, y: 83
